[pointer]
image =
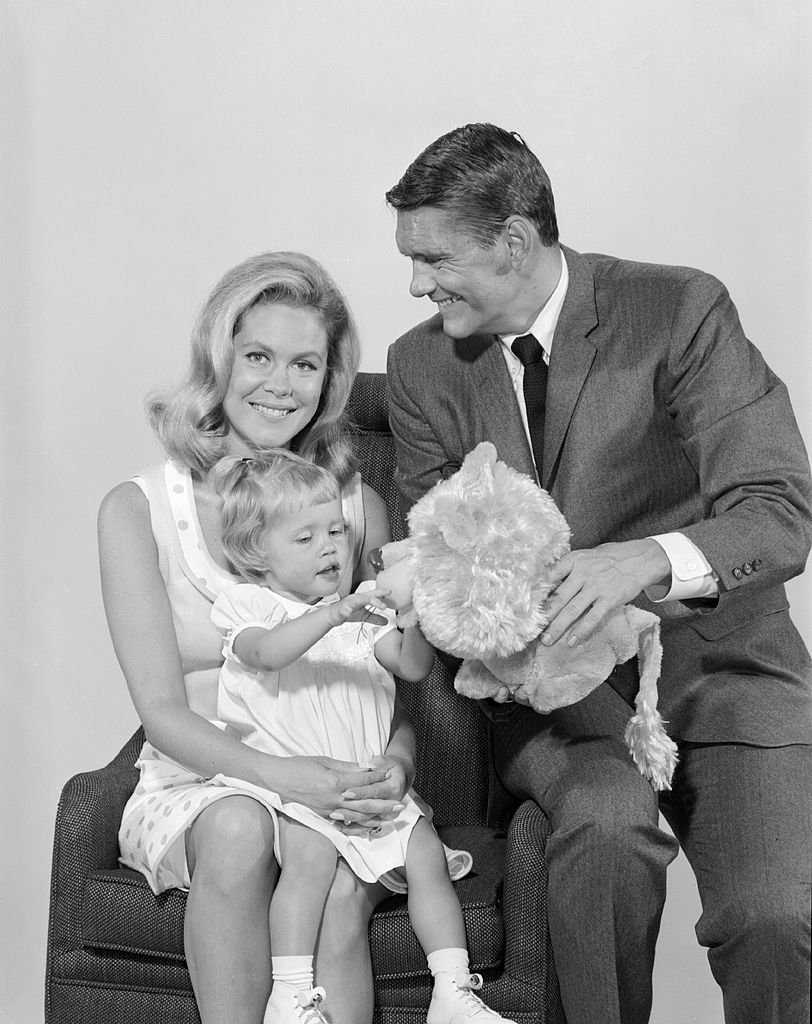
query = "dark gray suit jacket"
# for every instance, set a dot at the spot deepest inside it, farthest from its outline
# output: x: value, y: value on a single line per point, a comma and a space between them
x: 661, y: 416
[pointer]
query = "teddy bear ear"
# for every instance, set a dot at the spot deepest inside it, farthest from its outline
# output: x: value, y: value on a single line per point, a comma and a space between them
x: 474, y: 481
x: 477, y: 462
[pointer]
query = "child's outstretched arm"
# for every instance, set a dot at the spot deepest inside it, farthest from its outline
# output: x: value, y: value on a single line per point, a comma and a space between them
x: 406, y: 654
x: 273, y: 649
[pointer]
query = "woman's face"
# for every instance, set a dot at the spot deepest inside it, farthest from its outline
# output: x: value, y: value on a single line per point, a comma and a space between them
x: 280, y: 362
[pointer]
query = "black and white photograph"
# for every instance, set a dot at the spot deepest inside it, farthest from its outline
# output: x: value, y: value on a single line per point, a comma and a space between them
x: 407, y: 511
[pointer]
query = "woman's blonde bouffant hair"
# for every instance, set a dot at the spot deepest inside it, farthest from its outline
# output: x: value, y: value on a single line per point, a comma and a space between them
x: 257, y: 490
x: 190, y: 421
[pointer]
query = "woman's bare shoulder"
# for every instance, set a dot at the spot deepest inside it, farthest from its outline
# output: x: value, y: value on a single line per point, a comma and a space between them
x: 372, y: 500
x: 124, y: 501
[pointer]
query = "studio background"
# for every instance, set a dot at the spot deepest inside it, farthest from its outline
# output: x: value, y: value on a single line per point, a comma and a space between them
x: 149, y: 146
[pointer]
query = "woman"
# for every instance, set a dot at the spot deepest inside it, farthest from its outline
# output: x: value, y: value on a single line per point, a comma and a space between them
x: 274, y: 354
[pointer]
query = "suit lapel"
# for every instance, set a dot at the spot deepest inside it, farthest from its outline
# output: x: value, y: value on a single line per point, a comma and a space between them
x: 571, y: 359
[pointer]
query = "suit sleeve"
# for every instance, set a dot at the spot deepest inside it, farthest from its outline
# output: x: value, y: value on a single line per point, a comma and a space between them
x: 738, y: 431
x: 421, y: 457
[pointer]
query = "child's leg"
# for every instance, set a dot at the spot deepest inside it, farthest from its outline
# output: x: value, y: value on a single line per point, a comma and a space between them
x: 437, y: 920
x: 308, y: 868
x: 434, y: 909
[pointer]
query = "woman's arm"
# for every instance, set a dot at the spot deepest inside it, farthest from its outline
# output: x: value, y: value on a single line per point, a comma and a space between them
x: 401, y: 749
x: 369, y: 804
x: 377, y: 532
x: 143, y: 634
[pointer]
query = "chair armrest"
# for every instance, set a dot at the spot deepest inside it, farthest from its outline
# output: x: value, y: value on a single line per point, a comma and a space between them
x: 85, y: 839
x: 528, y: 955
x: 89, y: 815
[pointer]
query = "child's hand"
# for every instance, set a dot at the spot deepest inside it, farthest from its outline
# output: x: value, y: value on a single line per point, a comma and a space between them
x: 353, y: 608
x: 398, y: 583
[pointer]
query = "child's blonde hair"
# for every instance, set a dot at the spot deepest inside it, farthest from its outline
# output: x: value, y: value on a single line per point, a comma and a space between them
x: 254, y: 492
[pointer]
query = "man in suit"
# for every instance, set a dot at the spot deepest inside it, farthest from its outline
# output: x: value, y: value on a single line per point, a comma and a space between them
x: 633, y: 396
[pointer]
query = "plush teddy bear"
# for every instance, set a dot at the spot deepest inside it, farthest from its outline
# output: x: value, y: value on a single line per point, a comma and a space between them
x: 475, y: 573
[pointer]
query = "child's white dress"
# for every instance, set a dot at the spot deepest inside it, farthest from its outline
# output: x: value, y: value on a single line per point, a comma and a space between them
x: 336, y: 700
x: 169, y: 796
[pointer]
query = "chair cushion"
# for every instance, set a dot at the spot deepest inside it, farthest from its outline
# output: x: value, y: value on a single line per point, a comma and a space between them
x: 120, y: 913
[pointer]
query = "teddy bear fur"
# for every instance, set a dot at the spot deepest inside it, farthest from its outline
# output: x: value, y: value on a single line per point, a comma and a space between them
x: 476, y: 565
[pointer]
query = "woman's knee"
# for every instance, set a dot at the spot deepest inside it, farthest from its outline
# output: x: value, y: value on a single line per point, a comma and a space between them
x: 231, y: 842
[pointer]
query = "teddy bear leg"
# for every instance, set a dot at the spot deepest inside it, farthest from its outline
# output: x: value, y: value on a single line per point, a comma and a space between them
x: 475, y: 680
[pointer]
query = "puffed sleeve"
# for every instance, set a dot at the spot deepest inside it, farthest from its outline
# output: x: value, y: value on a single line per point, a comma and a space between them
x: 243, y: 606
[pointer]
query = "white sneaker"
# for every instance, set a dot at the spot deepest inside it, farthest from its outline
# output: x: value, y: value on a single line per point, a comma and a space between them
x: 453, y: 1001
x: 286, y: 1006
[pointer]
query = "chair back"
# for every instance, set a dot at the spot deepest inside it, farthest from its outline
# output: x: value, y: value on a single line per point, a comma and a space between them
x: 452, y: 749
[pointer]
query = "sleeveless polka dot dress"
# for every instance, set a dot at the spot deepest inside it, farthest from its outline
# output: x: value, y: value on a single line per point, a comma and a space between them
x: 168, y: 796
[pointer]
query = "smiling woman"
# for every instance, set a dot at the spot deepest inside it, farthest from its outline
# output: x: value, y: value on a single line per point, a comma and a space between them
x: 281, y: 314
x: 274, y: 353
x: 280, y: 360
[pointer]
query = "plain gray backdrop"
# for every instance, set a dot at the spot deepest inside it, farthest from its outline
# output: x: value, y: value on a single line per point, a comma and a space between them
x: 148, y: 146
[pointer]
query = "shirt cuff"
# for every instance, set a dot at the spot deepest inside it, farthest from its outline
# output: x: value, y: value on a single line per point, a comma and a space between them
x: 691, y: 573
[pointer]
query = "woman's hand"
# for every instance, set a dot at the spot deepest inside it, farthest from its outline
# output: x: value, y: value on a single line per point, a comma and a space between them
x: 322, y: 784
x: 376, y: 798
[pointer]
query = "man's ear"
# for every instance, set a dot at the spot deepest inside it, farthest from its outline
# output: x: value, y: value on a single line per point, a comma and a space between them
x: 519, y: 234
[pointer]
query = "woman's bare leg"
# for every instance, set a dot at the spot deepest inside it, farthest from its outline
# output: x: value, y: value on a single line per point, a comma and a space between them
x: 343, y: 964
x: 226, y: 937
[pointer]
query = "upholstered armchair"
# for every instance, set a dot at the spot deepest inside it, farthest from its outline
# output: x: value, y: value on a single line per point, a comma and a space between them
x: 115, y: 951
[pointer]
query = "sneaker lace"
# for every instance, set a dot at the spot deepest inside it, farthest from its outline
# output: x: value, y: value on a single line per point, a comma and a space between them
x: 466, y: 984
x: 309, y: 1012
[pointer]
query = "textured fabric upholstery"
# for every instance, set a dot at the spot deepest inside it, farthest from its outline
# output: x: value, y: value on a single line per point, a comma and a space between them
x: 115, y: 951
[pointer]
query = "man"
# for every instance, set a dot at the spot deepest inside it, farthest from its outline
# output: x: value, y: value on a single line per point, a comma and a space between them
x: 672, y: 450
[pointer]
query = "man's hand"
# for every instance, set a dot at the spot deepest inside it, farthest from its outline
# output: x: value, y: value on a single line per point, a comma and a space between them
x: 589, y: 584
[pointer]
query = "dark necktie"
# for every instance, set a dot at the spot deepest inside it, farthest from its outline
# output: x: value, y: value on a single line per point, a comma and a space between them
x: 531, y: 355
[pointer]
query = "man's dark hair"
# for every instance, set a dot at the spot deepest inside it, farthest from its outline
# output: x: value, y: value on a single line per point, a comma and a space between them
x: 483, y: 175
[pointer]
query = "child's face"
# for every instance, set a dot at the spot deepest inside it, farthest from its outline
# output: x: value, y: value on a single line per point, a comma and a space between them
x: 306, y: 551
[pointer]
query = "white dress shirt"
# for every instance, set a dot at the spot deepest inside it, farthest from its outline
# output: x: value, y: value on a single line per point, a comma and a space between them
x: 691, y: 573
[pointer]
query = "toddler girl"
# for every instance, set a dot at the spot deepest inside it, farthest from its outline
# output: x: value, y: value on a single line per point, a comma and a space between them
x: 308, y: 672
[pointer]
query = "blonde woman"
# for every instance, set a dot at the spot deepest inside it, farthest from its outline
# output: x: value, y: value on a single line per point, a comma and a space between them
x: 273, y: 357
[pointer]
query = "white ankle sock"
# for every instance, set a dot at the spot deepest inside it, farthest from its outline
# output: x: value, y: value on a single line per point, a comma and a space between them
x: 447, y: 961
x: 294, y: 971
